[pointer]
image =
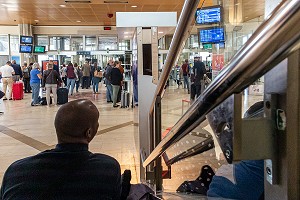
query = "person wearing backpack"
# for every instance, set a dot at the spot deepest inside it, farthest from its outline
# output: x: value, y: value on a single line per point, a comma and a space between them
x: 26, y: 77
x: 71, y: 77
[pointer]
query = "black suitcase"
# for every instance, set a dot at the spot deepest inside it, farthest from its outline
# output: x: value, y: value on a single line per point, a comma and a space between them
x: 193, y: 91
x: 62, y: 96
x: 125, y: 99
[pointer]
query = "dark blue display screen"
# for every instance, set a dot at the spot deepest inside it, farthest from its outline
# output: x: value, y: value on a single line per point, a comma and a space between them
x: 213, y: 35
x: 25, y: 48
x: 26, y: 40
x: 209, y: 15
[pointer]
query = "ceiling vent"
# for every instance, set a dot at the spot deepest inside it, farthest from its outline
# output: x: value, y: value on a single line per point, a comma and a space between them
x: 115, y: 2
x: 77, y: 1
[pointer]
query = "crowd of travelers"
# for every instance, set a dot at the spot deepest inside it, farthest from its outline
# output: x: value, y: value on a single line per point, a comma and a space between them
x: 70, y: 76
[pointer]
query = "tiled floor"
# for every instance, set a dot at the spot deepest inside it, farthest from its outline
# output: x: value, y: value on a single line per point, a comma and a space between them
x: 26, y: 130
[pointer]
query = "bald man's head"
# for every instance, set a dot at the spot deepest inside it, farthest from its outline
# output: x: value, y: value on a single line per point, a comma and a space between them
x: 77, y: 122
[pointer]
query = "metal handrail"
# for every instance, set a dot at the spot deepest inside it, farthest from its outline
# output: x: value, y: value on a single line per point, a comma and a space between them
x: 272, y: 42
x: 186, y: 19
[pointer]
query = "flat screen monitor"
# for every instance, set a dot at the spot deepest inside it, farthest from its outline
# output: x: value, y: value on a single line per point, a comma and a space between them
x: 39, y: 49
x: 209, y: 15
x: 212, y: 35
x: 25, y: 48
x: 26, y: 39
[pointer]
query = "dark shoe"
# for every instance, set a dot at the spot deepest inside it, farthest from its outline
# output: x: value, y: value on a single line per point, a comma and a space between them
x: 109, y: 101
x: 10, y: 99
x: 115, y: 106
x: 5, y: 99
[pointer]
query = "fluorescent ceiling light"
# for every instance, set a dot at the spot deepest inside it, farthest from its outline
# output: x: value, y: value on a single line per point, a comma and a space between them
x: 62, y: 5
x: 36, y: 20
x: 133, y: 6
x: 78, y: 21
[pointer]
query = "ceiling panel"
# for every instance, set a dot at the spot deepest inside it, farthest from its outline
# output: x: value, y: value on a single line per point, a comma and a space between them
x: 57, y: 12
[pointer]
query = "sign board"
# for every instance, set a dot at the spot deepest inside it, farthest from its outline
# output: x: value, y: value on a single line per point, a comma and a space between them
x: 84, y: 53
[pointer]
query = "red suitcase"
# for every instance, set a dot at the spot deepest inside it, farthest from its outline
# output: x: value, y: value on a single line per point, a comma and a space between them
x: 17, y: 91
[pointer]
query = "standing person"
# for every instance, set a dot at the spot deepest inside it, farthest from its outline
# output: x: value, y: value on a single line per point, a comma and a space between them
x: 63, y: 72
x: 185, y: 69
x: 109, y: 89
x: 35, y: 76
x: 116, y: 81
x: 135, y: 84
x: 7, y: 72
x: 26, y: 77
x: 86, y: 70
x: 70, y: 170
x: 55, y: 67
x: 18, y: 71
x: 71, y: 78
x: 96, y: 79
x: 93, y: 69
x: 122, y: 72
x: 50, y: 81
x: 199, y: 71
x: 78, y: 74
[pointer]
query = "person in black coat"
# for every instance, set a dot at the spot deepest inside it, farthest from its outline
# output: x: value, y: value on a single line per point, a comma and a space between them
x: 116, y: 81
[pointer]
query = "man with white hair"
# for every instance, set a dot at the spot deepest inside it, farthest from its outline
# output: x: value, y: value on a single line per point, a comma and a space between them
x: 7, y: 72
x: 35, y: 76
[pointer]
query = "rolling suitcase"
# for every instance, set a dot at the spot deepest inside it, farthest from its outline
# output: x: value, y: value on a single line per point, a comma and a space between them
x: 125, y: 99
x: 62, y: 96
x: 17, y: 91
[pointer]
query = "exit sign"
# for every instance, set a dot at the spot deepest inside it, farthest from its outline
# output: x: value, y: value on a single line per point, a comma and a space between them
x: 107, y: 28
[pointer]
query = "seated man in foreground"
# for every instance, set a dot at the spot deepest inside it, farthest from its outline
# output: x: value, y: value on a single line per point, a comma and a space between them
x: 69, y: 171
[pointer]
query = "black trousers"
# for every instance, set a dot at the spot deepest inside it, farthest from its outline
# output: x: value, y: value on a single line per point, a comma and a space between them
x: 27, y: 87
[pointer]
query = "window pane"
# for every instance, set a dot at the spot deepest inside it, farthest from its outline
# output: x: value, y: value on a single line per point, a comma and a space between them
x: 4, y: 44
x: 42, y: 41
x: 14, y: 44
x: 110, y: 43
x: 77, y: 43
x: 90, y: 43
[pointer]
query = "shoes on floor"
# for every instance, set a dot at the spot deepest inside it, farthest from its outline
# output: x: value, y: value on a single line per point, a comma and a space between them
x: 115, y: 106
x: 5, y: 99
x: 109, y: 101
x: 10, y: 99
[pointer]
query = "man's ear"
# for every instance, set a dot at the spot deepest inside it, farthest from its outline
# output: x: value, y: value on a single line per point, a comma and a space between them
x: 88, y: 134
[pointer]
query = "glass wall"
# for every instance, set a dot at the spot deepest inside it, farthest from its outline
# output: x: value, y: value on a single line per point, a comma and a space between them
x: 42, y: 41
x: 77, y: 43
x: 4, y: 46
x: 14, y: 44
x: 110, y: 43
x: 91, y: 43
x: 124, y: 45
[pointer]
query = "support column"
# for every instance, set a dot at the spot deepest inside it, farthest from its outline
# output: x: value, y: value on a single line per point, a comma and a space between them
x: 25, y: 29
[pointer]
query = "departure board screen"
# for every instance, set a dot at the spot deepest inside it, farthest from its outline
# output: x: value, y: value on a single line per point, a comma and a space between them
x: 209, y: 15
x: 212, y: 35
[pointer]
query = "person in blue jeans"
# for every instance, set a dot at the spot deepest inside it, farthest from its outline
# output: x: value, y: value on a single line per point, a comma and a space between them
x: 96, y: 79
x: 109, y: 89
x: 35, y: 77
x: 71, y: 78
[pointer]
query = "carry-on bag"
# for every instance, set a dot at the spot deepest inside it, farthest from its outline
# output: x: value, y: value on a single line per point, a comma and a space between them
x: 125, y: 99
x: 62, y: 96
x: 17, y: 91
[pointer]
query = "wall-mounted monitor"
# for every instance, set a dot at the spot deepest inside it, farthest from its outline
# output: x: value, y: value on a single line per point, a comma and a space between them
x: 39, y: 49
x: 25, y: 49
x: 212, y: 35
x: 26, y: 39
x: 209, y: 15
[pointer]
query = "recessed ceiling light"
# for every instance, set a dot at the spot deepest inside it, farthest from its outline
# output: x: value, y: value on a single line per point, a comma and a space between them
x: 36, y: 20
x: 62, y: 5
x: 160, y: 32
x: 133, y: 6
x: 78, y: 21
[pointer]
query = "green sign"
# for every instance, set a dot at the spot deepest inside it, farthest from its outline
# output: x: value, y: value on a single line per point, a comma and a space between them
x: 207, y: 46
